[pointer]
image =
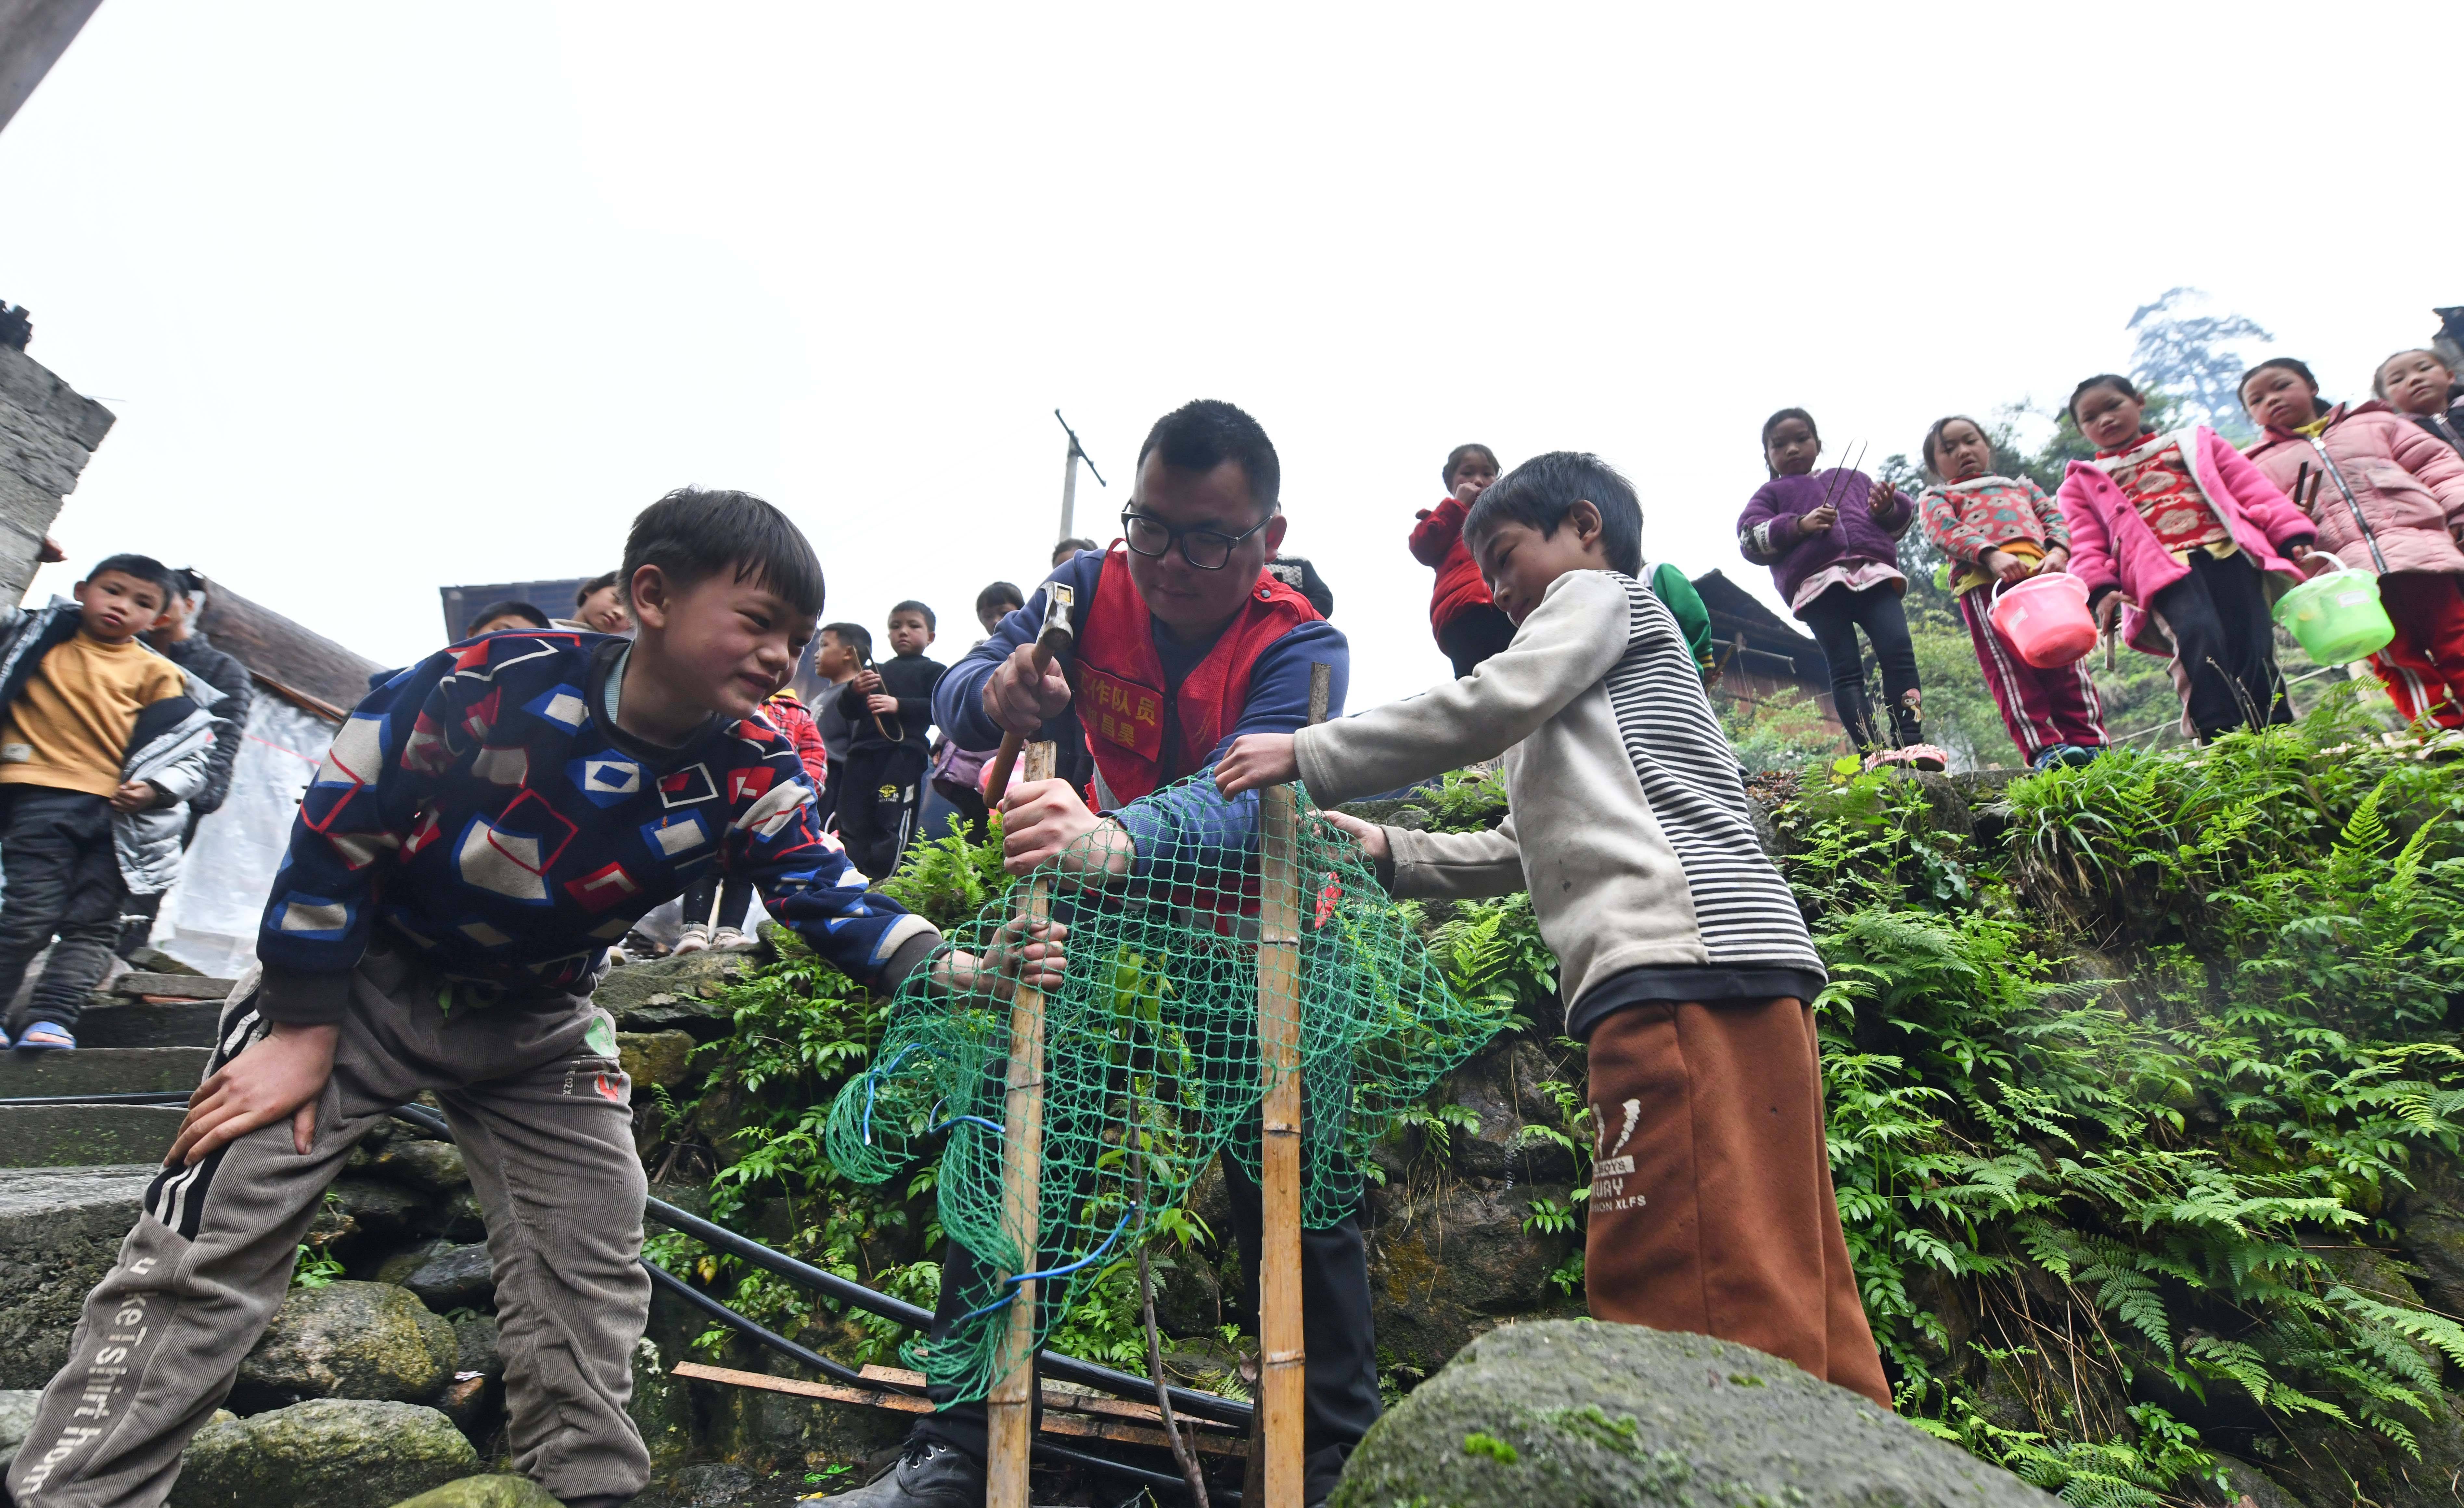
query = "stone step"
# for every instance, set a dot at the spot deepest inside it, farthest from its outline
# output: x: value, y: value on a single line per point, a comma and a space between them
x: 85, y: 1135
x: 111, y: 1021
x: 60, y: 1229
x: 101, y: 1071
x: 183, y: 987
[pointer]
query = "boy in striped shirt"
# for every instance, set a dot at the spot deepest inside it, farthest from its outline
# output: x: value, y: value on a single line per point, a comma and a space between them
x: 1685, y: 963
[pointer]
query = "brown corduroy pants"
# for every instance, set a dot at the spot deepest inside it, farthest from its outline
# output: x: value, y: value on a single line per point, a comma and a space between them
x: 1711, y: 1206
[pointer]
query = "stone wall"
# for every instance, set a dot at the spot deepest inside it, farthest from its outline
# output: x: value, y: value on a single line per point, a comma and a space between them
x: 47, y: 432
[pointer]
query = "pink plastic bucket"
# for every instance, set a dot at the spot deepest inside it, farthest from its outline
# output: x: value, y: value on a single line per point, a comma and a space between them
x: 2046, y: 619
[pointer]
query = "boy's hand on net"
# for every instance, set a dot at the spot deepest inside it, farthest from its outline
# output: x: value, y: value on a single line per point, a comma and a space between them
x: 1019, y: 698
x: 1043, y: 820
x: 1371, y: 836
x: 1255, y: 760
x: 1020, y: 955
x: 280, y: 1076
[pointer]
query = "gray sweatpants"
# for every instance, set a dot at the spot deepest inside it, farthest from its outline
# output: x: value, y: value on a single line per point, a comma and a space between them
x: 543, y: 1114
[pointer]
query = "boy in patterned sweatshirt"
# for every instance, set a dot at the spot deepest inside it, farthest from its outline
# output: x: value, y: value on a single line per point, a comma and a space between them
x: 487, y: 823
x: 1686, y: 964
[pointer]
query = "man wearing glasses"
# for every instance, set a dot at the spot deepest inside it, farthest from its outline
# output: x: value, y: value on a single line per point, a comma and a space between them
x: 1183, y: 642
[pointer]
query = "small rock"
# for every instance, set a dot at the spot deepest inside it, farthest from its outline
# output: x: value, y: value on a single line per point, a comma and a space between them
x: 459, y: 1218
x: 333, y: 1453
x: 655, y: 1057
x: 367, y: 1340
x: 485, y: 1492
x: 465, y: 1402
x: 477, y: 1335
x: 713, y: 1486
x: 433, y: 1168
x: 676, y: 993
x: 402, y: 1264
x: 1575, y: 1415
x: 16, y: 1419
x: 454, y: 1278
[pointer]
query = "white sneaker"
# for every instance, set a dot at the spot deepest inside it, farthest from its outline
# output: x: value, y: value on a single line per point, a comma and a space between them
x: 728, y: 936
x: 696, y: 938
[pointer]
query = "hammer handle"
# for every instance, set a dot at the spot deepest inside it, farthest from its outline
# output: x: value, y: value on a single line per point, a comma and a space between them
x: 1011, y: 742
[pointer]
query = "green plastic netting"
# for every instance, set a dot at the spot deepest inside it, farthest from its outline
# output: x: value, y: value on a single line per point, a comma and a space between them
x: 1151, y: 1067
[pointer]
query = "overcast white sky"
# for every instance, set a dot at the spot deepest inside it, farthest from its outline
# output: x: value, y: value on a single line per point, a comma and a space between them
x: 388, y: 296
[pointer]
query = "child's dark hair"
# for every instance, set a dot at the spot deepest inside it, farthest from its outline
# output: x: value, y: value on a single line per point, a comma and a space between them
x: 1933, y: 439
x: 1463, y: 452
x: 509, y: 607
x: 596, y: 585
x: 143, y: 568
x: 999, y: 592
x: 1073, y: 545
x: 2378, y: 378
x: 2280, y: 363
x: 851, y: 636
x: 693, y: 535
x: 2113, y: 380
x: 1542, y: 490
x: 1202, y: 435
x: 910, y: 604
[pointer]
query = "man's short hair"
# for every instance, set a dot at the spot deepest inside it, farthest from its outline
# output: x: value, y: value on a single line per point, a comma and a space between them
x: 596, y: 585
x: 851, y: 636
x: 1201, y: 435
x: 1542, y: 490
x: 509, y: 607
x: 143, y: 568
x: 910, y: 604
x: 999, y: 592
x: 693, y: 535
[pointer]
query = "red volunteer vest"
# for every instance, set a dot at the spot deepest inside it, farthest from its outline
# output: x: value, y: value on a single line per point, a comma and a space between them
x: 1121, y: 692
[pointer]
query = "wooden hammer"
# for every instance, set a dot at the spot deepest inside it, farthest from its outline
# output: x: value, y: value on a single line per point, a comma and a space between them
x: 1054, y: 640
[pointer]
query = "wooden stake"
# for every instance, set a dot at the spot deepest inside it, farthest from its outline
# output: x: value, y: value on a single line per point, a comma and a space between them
x: 1010, y: 1405
x: 1283, y: 1361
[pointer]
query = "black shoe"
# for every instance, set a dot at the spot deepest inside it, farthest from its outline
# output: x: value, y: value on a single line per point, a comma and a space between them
x: 927, y: 1475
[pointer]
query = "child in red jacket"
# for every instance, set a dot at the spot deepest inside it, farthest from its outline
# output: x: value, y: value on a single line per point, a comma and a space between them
x: 733, y: 898
x: 1469, y: 626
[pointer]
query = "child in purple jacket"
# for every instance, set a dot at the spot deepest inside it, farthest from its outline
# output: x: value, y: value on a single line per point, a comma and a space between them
x: 1832, y: 541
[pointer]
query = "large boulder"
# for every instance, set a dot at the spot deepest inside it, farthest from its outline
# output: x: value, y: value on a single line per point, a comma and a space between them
x: 485, y: 1492
x: 346, y: 1340
x: 328, y: 1452
x: 1576, y: 1414
x: 60, y: 1230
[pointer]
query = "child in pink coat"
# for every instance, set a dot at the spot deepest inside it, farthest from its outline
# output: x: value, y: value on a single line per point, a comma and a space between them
x: 2190, y: 542
x: 2000, y: 531
x: 2387, y: 498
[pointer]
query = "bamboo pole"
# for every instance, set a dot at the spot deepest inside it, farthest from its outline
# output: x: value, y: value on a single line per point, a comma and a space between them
x: 1010, y: 1405
x: 1283, y: 1362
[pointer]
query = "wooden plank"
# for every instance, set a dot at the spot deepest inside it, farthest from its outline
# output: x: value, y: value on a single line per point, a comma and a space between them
x: 173, y: 986
x: 1055, y: 1422
x: 833, y: 1392
x: 1010, y: 1405
x: 1065, y: 1400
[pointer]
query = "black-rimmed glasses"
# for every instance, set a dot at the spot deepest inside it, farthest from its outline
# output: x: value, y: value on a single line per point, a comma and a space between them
x: 1206, y: 549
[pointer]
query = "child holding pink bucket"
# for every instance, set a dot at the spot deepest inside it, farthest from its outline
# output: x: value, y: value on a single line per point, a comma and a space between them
x: 2386, y: 495
x: 2191, y: 544
x: 1999, y: 532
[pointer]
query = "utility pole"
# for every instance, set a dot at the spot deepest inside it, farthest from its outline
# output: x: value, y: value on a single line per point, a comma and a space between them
x: 1069, y: 480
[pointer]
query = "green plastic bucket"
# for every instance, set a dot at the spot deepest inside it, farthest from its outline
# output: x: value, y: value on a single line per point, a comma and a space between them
x: 2337, y: 616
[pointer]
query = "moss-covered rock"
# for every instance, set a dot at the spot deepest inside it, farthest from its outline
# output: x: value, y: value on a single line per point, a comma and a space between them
x: 331, y: 1453
x: 655, y: 1057
x: 679, y: 993
x: 371, y: 1340
x: 485, y: 1492
x: 1580, y: 1415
